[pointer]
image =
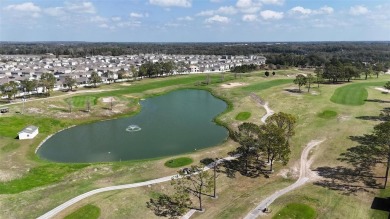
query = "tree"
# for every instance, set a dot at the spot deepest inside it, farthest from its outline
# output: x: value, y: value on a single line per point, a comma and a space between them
x: 95, y: 79
x: 70, y: 82
x: 70, y: 104
x: 10, y: 89
x: 167, y: 206
x: 134, y: 72
x: 310, y: 79
x: 47, y: 82
x: 273, y: 73
x: 284, y: 121
x: 247, y: 137
x: 318, y: 72
x: 88, y: 104
x: 266, y: 73
x: 382, y: 140
x: 29, y: 85
x: 197, y: 183
x: 110, y: 76
x: 300, y: 80
x: 387, y: 85
x: 274, y: 142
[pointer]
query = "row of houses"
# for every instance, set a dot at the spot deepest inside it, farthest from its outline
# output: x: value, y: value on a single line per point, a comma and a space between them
x: 22, y: 67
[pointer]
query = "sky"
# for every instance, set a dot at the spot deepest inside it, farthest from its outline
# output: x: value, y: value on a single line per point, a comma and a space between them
x: 194, y: 20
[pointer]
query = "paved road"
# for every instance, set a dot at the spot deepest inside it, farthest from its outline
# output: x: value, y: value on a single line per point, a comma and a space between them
x: 303, y: 178
x: 74, y: 200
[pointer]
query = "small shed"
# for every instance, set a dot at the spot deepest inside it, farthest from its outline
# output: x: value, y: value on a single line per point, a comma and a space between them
x: 28, y: 133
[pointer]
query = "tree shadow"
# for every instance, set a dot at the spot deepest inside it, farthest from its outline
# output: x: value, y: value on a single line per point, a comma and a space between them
x: 293, y: 90
x: 253, y: 170
x: 383, y: 116
x: 377, y: 101
x: 382, y: 204
x: 346, y: 180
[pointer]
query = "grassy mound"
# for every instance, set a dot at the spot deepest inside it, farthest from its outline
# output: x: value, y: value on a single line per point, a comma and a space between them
x: 327, y: 114
x: 296, y: 211
x: 81, y: 101
x: 243, y: 116
x: 178, y: 162
x: 85, y: 212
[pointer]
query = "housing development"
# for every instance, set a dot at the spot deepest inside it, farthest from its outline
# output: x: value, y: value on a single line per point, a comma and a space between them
x: 201, y: 109
x: 18, y: 68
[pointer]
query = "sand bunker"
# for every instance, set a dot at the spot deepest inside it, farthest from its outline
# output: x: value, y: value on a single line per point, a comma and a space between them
x: 231, y: 85
x: 382, y: 89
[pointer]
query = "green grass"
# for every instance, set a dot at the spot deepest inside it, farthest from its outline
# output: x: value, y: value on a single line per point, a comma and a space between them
x: 353, y: 94
x: 10, y: 126
x: 266, y: 85
x: 85, y: 212
x: 327, y: 114
x: 10, y: 147
x: 39, y: 176
x: 178, y: 162
x: 296, y: 211
x: 243, y: 116
x: 81, y: 101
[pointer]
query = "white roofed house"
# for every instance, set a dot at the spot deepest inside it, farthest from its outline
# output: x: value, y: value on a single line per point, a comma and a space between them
x: 28, y: 133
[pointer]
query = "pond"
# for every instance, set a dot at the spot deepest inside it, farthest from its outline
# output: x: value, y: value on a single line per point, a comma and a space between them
x: 174, y: 123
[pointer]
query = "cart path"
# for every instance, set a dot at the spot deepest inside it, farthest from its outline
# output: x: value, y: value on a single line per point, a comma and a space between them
x: 76, y: 199
x: 269, y: 113
x: 304, y: 176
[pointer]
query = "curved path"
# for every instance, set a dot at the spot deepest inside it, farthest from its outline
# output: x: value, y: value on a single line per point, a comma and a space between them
x: 263, y: 119
x: 74, y: 200
x: 303, y: 178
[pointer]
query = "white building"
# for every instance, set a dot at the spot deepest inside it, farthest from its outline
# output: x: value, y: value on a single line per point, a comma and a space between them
x: 28, y: 133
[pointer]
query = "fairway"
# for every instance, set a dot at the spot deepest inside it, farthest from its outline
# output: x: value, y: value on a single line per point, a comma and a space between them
x: 85, y: 212
x: 266, y: 85
x: 296, y: 211
x: 353, y: 94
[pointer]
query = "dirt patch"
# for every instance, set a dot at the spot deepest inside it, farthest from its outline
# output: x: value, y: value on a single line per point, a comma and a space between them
x: 231, y: 85
x: 125, y: 84
x: 343, y: 118
x: 108, y: 99
x: 315, y: 93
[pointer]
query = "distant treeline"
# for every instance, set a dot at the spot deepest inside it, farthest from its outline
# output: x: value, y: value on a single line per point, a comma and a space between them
x: 244, y: 68
x: 287, y: 54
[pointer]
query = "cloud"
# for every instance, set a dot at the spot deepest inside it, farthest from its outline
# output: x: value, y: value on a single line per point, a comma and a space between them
x: 271, y: 15
x: 217, y: 19
x: 98, y: 19
x: 116, y: 18
x: 358, y: 10
x: 273, y: 2
x: 138, y: 15
x: 249, y: 17
x: 300, y: 10
x: 186, y: 18
x: 129, y: 24
x: 24, y: 7
x: 227, y: 10
x: 248, y: 6
x: 55, y: 12
x: 171, y: 3
x: 325, y: 10
x: 82, y: 7
x: 304, y: 12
